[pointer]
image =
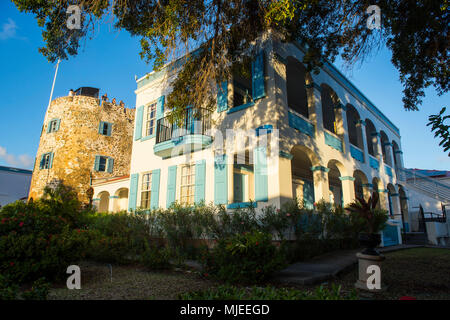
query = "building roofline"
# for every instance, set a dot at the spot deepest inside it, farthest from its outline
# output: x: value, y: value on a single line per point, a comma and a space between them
x: 15, y: 170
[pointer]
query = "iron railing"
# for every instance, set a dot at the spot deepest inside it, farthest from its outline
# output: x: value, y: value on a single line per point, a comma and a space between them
x: 195, y: 121
x: 435, y: 188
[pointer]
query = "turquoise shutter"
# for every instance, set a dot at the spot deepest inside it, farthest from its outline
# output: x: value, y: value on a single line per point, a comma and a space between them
x: 97, y: 163
x: 308, y: 194
x: 49, y: 126
x: 50, y: 160
x: 222, y: 96
x: 100, y: 127
x: 200, y: 175
x: 110, y: 165
x: 154, y: 197
x: 108, y: 133
x: 220, y: 180
x: 58, y: 121
x: 261, y: 185
x: 160, y: 107
x: 41, y: 163
x: 171, y: 186
x: 133, y: 191
x: 138, y: 127
x: 258, y: 90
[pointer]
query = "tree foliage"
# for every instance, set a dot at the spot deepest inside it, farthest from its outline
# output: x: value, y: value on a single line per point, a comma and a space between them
x: 440, y: 128
x: 223, y: 32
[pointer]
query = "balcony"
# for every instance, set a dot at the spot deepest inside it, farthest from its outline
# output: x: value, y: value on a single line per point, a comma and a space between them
x: 191, y: 135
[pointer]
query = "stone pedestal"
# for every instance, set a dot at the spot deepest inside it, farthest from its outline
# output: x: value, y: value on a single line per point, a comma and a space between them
x: 364, y: 262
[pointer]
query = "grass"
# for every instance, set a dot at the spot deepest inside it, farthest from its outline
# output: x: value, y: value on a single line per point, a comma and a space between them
x: 129, y: 283
x: 423, y: 273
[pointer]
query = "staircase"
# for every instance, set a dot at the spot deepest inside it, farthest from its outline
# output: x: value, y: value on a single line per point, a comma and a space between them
x: 427, y: 185
x: 414, y: 238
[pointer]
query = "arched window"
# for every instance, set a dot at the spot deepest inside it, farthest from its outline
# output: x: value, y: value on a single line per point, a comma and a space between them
x: 385, y: 149
x: 354, y: 130
x: 329, y: 99
x: 370, y: 130
x: 296, y: 87
x: 396, y: 155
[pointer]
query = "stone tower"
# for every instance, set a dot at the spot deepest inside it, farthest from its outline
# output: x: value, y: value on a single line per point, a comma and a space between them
x: 82, y: 140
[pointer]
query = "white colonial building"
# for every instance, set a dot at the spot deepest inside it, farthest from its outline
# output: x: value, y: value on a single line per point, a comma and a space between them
x: 14, y: 184
x: 326, y: 140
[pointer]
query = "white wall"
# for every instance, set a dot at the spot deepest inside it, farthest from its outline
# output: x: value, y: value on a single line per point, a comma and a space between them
x: 14, y: 185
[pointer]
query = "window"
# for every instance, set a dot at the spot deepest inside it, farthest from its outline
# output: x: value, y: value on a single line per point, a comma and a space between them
x: 296, y: 87
x: 243, y: 187
x: 146, y: 190
x: 46, y: 161
x: 242, y: 83
x: 150, y: 119
x: 187, y: 186
x: 328, y: 101
x: 105, y: 128
x: 103, y: 164
x: 53, y: 126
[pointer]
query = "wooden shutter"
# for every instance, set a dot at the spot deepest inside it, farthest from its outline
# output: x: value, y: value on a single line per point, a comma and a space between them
x: 258, y: 88
x: 154, y: 197
x: 261, y: 178
x: 222, y: 96
x: 138, y: 120
x: 220, y: 180
x: 171, y: 186
x: 200, y: 177
x: 133, y: 192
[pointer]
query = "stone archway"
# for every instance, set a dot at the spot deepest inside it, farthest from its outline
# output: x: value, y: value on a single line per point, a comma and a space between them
x: 121, y: 200
x: 103, y: 205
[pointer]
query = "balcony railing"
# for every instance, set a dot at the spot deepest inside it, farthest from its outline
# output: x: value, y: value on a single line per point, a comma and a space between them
x: 195, y: 121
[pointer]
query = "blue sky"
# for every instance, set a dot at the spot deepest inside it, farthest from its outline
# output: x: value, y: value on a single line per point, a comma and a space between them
x: 111, y: 60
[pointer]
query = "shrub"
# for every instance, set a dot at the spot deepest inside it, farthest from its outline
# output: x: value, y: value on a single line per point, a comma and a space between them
x: 8, y: 290
x: 38, y: 291
x: 248, y: 258
x: 156, y: 258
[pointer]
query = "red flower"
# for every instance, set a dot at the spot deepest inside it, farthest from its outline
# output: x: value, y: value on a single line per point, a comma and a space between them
x: 21, y: 224
x: 206, y: 274
x: 288, y: 214
x: 11, y: 263
x: 258, y: 270
x: 256, y: 243
x: 407, y: 298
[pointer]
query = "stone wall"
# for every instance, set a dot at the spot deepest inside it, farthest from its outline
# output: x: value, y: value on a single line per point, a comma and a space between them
x: 78, y: 141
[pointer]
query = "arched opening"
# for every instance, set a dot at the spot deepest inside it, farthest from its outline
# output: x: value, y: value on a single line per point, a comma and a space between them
x: 361, y: 184
x: 396, y: 156
x: 121, y: 200
x: 391, y: 205
x: 103, y: 205
x: 296, y: 87
x: 354, y: 127
x: 302, y: 176
x: 385, y: 149
x: 376, y: 186
x: 404, y: 208
x: 329, y: 101
x: 335, y: 183
x: 371, y: 140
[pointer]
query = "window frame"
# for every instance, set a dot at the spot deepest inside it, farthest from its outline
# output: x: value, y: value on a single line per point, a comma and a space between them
x: 190, y: 186
x: 147, y: 112
x: 147, y: 190
x: 53, y: 125
x: 45, y: 163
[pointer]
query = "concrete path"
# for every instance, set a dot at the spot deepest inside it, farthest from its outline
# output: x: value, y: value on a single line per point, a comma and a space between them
x: 326, y: 266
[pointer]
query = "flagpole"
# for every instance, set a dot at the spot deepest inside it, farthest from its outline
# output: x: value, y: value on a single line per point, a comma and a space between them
x: 53, y: 85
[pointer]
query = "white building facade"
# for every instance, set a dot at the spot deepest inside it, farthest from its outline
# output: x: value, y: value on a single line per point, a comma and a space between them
x: 14, y: 184
x: 306, y: 136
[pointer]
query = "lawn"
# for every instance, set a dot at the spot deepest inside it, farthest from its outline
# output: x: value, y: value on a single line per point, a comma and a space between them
x: 130, y: 283
x: 423, y: 273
